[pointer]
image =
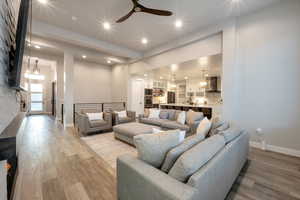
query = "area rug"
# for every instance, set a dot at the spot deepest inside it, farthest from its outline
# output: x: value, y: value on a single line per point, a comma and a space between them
x: 108, y: 148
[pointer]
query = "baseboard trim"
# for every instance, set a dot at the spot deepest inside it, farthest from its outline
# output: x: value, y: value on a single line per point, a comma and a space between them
x: 69, y: 125
x: 277, y: 149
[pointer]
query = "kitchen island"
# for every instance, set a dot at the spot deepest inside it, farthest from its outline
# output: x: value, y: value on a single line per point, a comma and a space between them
x: 207, y: 109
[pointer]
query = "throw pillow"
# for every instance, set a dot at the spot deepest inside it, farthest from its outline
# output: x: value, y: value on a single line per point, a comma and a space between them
x: 122, y: 114
x: 154, y: 113
x: 95, y: 116
x: 192, y: 116
x: 193, y: 159
x: 176, y: 152
x: 181, y: 118
x: 164, y: 114
x: 152, y: 148
x: 217, y: 127
x: 146, y: 113
x: 231, y: 133
x: 204, y: 127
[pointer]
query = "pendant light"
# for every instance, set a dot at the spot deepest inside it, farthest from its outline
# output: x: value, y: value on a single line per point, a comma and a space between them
x: 36, y: 69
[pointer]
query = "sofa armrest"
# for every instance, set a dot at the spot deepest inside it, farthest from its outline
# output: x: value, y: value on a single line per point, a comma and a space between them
x: 108, y: 118
x: 131, y: 115
x: 115, y: 118
x: 141, y: 116
x: 137, y: 180
x: 83, y: 122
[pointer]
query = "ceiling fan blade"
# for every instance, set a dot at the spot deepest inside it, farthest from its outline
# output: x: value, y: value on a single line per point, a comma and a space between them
x: 155, y: 11
x: 122, y: 19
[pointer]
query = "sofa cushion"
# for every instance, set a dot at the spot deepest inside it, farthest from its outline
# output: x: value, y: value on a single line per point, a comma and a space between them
x: 124, y: 119
x: 176, y: 152
x: 175, y: 125
x: 156, y: 122
x: 204, y: 127
x: 192, y: 117
x: 192, y: 160
x: 164, y: 114
x: 97, y: 123
x: 231, y: 133
x: 152, y: 148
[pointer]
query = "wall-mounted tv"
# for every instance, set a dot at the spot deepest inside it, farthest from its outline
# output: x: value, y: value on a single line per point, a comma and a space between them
x: 17, y: 47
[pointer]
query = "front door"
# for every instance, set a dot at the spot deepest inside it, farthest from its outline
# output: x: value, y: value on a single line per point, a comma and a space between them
x: 36, y: 98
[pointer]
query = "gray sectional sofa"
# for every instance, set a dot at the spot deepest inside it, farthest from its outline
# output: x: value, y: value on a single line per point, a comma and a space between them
x: 212, y: 181
x: 167, y: 121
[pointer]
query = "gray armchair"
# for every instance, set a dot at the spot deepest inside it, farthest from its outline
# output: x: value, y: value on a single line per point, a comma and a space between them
x: 118, y: 120
x: 86, y: 126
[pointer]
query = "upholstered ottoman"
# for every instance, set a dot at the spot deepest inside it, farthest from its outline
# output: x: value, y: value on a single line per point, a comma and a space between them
x: 126, y: 132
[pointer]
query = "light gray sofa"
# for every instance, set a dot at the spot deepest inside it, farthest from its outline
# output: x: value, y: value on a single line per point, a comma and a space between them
x: 87, y: 127
x: 167, y: 121
x: 131, y: 117
x: 138, y: 180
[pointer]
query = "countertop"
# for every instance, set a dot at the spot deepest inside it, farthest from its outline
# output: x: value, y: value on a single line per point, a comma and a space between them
x: 196, y: 106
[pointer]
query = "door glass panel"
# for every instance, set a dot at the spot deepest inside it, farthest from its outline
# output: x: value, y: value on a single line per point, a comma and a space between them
x: 36, y: 106
x: 36, y: 97
x: 36, y: 87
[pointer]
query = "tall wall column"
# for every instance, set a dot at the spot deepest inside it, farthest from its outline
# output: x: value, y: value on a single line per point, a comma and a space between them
x: 68, y: 89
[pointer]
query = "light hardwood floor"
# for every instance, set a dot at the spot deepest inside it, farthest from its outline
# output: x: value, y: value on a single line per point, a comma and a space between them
x: 56, y: 165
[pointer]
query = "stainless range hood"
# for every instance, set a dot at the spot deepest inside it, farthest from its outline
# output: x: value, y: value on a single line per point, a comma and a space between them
x: 213, y: 84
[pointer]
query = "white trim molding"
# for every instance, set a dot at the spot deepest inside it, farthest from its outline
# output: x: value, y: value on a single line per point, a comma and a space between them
x: 277, y: 149
x: 69, y: 125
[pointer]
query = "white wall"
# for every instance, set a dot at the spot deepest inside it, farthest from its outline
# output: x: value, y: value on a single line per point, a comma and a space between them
x: 9, y: 106
x: 268, y: 73
x: 119, y: 83
x: 92, y: 83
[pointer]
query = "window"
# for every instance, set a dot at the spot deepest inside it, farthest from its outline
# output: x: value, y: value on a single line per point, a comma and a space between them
x: 36, y: 97
x: 34, y: 87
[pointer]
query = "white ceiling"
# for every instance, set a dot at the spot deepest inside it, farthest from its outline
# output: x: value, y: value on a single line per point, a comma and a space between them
x: 90, y: 14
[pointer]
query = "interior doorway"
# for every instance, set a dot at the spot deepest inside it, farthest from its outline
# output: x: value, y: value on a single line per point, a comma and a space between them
x: 137, y: 94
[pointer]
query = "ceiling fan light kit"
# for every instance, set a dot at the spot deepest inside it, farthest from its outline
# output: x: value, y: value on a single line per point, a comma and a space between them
x: 140, y: 8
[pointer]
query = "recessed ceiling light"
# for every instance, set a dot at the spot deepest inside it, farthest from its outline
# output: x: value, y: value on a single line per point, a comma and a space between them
x: 43, y: 1
x: 83, y: 56
x: 106, y: 25
x: 174, y: 67
x: 37, y: 46
x: 74, y: 18
x: 144, y: 40
x: 186, y: 78
x: 109, y: 61
x: 178, y: 23
x: 161, y: 77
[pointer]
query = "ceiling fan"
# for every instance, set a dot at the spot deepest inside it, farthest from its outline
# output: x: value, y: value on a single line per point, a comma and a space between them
x: 140, y: 8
